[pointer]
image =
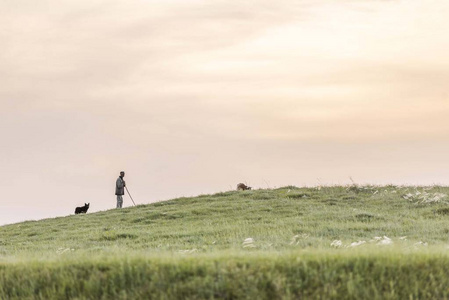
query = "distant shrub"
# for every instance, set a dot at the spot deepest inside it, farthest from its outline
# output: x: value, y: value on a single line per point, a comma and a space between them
x: 364, y: 217
x: 298, y: 195
x: 330, y: 201
x: 113, y: 236
x: 367, y: 189
x: 443, y: 211
x: 426, y: 198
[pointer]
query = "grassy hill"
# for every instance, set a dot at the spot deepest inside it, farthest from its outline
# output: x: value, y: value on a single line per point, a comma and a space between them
x: 351, y: 242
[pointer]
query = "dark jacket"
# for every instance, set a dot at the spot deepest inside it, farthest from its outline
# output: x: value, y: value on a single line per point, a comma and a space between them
x: 120, y: 187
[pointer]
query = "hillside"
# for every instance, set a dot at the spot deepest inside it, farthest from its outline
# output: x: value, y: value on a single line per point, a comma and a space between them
x: 286, y: 242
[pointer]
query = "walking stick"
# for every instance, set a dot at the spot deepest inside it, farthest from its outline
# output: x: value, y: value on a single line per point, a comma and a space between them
x: 130, y: 196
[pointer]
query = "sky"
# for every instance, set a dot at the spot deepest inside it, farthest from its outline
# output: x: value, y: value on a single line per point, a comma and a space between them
x: 191, y: 97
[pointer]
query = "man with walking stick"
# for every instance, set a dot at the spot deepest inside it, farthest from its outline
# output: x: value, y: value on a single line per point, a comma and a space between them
x: 120, y: 185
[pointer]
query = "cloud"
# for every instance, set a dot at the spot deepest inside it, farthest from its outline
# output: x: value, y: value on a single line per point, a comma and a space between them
x: 237, y: 62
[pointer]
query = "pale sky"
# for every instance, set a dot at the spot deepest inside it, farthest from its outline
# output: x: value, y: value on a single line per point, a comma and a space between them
x: 192, y: 97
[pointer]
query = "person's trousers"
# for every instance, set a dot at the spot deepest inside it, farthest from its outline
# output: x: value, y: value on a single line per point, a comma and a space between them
x: 119, y: 201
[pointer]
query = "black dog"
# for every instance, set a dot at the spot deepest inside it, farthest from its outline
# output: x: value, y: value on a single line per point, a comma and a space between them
x: 82, y: 209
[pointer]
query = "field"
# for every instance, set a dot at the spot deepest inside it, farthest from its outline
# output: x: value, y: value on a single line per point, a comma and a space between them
x: 339, y: 242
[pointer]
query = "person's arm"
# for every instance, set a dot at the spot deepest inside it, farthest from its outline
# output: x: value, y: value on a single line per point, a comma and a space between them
x: 120, y: 183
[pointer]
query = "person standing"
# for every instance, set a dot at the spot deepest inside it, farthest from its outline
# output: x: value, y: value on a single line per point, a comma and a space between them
x: 120, y: 189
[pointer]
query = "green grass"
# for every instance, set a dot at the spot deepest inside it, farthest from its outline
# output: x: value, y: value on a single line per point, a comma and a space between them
x: 192, y: 248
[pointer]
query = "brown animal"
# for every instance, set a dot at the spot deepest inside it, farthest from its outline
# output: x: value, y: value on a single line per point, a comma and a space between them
x: 242, y: 187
